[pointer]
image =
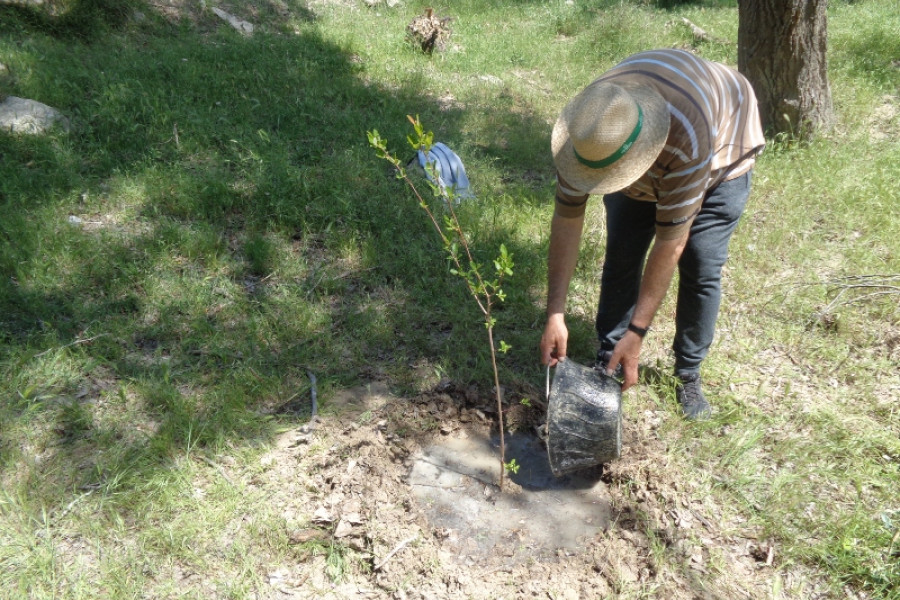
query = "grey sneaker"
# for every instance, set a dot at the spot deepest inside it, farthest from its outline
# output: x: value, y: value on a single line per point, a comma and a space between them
x: 690, y: 396
x: 603, y: 358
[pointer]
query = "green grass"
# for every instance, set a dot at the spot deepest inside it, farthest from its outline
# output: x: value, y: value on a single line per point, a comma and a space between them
x: 237, y: 231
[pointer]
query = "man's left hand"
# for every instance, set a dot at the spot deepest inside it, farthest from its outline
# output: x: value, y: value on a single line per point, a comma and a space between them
x: 626, y: 353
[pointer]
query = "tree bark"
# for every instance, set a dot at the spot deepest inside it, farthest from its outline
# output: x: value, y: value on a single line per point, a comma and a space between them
x: 782, y: 51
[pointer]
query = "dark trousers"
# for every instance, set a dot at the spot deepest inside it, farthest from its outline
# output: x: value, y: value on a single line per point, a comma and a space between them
x: 630, y: 227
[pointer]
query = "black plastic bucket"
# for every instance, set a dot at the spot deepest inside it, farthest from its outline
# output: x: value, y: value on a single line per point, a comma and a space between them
x: 584, y: 418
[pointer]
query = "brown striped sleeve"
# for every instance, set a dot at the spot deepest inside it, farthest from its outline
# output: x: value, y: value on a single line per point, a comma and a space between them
x: 570, y: 202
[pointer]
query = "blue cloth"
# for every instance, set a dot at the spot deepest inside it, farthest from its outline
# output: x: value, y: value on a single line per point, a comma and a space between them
x: 450, y: 171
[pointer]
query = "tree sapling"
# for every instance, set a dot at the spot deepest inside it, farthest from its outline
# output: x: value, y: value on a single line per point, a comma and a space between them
x: 485, y: 291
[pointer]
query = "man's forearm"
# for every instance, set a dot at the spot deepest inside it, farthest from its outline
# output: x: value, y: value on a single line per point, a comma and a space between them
x: 658, y: 273
x: 565, y: 241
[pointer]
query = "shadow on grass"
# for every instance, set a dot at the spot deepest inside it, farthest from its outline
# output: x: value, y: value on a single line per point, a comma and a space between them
x: 83, y: 19
x: 232, y: 231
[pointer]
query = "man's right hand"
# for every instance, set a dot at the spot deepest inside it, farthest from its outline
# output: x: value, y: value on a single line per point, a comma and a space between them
x: 554, y: 340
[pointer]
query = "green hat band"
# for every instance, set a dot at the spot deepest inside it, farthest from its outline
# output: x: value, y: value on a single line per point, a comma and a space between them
x: 599, y: 164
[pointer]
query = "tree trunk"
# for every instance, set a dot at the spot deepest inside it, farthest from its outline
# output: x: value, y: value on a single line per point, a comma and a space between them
x: 782, y: 51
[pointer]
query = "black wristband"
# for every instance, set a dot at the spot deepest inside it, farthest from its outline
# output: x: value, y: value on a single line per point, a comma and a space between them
x: 641, y: 331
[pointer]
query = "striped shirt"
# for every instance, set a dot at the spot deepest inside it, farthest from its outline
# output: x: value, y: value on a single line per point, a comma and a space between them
x: 714, y: 135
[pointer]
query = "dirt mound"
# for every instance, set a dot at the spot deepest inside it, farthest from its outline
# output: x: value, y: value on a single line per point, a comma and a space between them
x: 368, y: 535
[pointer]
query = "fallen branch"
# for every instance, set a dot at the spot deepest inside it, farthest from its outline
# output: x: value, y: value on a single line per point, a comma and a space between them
x: 397, y: 549
x: 893, y: 541
x: 72, y: 504
x: 700, y: 34
x: 241, y: 25
x: 219, y: 469
x: 314, y: 410
x: 69, y: 345
x: 876, y: 285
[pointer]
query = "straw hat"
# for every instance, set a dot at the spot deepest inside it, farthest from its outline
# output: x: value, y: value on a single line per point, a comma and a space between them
x: 609, y: 135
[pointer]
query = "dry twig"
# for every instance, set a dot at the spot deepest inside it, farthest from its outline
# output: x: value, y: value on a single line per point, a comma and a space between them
x: 874, y: 285
x: 70, y: 344
x: 396, y: 549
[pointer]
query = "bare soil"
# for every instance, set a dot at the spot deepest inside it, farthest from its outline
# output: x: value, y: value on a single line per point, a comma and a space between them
x: 350, y: 475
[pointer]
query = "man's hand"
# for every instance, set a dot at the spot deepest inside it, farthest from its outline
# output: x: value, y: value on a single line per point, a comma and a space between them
x: 554, y: 340
x: 627, y: 353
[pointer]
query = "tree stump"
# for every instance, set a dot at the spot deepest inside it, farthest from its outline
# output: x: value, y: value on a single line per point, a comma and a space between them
x: 429, y: 32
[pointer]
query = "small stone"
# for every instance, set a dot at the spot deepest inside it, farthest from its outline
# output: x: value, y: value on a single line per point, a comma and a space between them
x: 322, y: 515
x: 343, y: 529
x: 492, y: 79
x: 353, y: 518
x: 301, y: 536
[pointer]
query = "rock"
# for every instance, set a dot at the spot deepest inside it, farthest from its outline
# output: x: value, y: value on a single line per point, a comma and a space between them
x: 243, y: 26
x: 627, y: 573
x: 343, y: 528
x: 301, y: 536
x: 20, y: 115
x: 353, y: 518
x: 322, y: 516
